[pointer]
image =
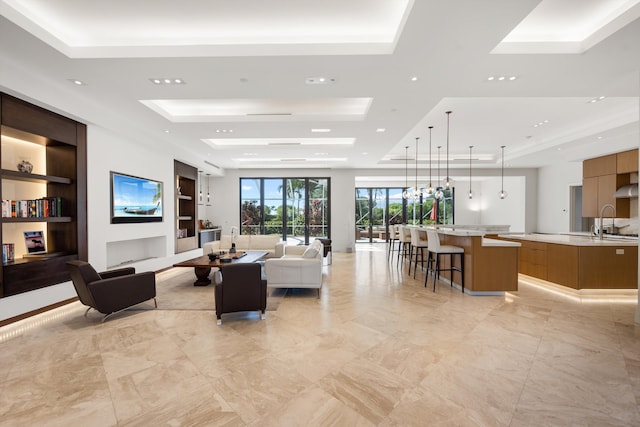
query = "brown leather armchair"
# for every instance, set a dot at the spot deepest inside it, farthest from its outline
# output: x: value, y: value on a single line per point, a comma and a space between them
x: 239, y: 287
x: 112, y: 291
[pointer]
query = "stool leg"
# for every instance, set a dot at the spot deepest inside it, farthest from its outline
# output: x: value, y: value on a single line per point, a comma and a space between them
x: 451, y: 267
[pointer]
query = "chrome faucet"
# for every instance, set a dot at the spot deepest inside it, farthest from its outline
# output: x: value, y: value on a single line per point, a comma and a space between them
x: 601, y: 230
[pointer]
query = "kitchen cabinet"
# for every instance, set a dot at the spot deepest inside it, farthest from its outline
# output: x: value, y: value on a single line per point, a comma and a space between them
x: 578, y: 262
x: 599, y: 166
x: 600, y: 181
x: 627, y: 161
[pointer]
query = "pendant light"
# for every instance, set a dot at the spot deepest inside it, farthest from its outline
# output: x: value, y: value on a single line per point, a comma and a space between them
x: 470, y: 194
x: 406, y: 194
x: 208, y: 189
x: 438, y: 194
x: 448, y: 182
x: 503, y: 194
x: 416, y: 189
x: 200, y: 184
x: 429, y: 189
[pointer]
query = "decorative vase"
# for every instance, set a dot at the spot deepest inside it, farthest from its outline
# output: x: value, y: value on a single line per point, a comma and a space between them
x: 25, y: 166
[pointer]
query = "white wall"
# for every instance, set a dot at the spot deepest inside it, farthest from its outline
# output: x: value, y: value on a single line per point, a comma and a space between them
x: 554, y: 206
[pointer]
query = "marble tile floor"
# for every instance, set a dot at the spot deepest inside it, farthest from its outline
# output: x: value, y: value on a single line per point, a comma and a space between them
x: 376, y: 349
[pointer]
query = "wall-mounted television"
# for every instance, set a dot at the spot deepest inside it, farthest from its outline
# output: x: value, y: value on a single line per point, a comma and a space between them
x: 135, y: 199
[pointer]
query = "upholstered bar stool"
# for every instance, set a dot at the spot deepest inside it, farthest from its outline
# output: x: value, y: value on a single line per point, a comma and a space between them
x: 418, y: 245
x: 404, y: 238
x: 393, y: 239
x: 436, y: 249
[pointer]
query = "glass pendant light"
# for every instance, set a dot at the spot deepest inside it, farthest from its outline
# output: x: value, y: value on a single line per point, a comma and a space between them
x: 406, y: 194
x: 208, y: 189
x: 470, y: 194
x: 448, y: 182
x: 438, y: 194
x: 502, y: 194
x: 200, y: 184
x: 429, y: 190
x: 416, y: 190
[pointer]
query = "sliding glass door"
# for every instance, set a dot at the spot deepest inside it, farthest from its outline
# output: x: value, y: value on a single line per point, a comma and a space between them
x: 296, y: 208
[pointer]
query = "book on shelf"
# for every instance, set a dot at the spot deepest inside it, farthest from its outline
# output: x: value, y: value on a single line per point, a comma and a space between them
x: 45, y: 207
x: 8, y: 252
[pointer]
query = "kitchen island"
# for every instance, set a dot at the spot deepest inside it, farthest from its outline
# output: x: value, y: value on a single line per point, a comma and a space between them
x: 490, y: 265
x: 578, y: 261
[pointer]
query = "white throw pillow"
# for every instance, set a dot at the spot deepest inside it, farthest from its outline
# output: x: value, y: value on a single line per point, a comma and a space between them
x: 310, y: 252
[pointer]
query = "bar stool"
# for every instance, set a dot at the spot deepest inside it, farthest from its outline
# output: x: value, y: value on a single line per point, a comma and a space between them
x: 404, y: 239
x: 418, y: 244
x: 436, y: 249
x: 393, y: 239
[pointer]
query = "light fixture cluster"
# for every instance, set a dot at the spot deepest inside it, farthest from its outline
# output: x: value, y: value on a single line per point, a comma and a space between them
x: 319, y: 80
x: 501, y: 78
x: 542, y: 123
x: 596, y: 99
x: 167, y: 81
x: 224, y: 130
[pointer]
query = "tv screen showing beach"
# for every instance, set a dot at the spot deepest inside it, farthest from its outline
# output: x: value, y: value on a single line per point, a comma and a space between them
x: 135, y: 199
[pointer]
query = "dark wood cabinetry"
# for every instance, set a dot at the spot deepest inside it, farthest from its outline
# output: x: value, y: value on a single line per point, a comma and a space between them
x: 186, y: 207
x: 60, y: 144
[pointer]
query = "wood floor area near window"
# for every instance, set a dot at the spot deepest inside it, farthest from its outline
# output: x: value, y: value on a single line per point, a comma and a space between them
x: 377, y: 348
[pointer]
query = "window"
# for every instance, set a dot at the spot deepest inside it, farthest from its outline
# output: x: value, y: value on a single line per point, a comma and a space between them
x: 377, y: 208
x: 296, y: 208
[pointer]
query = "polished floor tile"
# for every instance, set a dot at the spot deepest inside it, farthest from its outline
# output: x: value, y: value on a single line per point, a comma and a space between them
x: 376, y: 348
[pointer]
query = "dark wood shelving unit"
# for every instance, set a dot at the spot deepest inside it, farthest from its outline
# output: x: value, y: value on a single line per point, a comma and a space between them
x: 186, y: 208
x: 64, y: 142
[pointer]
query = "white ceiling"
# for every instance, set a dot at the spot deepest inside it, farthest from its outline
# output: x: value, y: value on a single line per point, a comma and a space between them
x: 257, y: 77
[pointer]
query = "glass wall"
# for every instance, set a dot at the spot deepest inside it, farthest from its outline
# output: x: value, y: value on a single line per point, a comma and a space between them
x: 296, y: 208
x: 377, y: 208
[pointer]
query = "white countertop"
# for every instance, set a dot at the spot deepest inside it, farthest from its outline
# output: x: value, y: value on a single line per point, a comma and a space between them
x: 499, y: 243
x: 573, y: 240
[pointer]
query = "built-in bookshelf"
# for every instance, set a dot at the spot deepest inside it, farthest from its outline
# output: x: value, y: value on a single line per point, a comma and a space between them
x: 186, y: 207
x: 50, y: 195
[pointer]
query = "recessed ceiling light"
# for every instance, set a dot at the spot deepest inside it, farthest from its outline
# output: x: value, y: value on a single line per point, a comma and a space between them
x: 166, y: 131
x: 501, y: 78
x: 167, y: 81
x: 321, y: 130
x: 77, y: 82
x: 364, y: 153
x: 597, y: 99
x: 319, y: 80
x: 414, y: 79
x: 600, y: 137
x: 381, y: 130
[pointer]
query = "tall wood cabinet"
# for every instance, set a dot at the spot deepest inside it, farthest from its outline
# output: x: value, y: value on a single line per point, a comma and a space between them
x: 56, y: 148
x: 185, y: 207
x: 600, y: 180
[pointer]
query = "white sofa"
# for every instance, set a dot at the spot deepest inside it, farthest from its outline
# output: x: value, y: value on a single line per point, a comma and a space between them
x: 270, y: 243
x: 299, y: 267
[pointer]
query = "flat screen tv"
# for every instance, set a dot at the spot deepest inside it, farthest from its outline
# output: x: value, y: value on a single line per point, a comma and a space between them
x: 135, y: 199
